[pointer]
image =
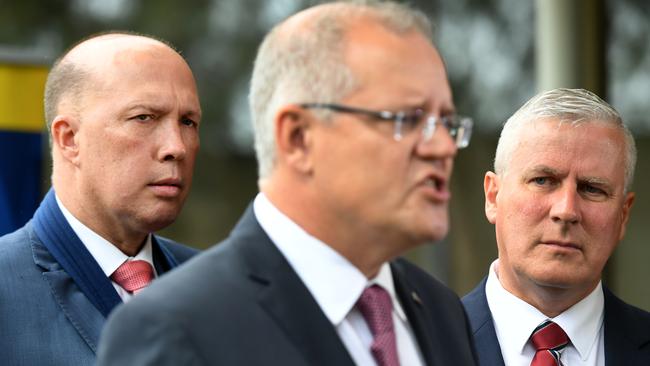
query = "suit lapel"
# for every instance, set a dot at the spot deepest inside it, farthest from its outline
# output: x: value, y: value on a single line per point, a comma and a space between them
x: 286, y: 299
x: 66, y: 248
x: 627, y: 333
x: 79, y: 311
x: 163, y: 258
x: 415, y: 312
x: 80, y: 287
x: 480, y: 318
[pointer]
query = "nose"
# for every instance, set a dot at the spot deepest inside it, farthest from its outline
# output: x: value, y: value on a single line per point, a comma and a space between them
x: 565, y: 208
x: 440, y: 146
x: 172, y: 144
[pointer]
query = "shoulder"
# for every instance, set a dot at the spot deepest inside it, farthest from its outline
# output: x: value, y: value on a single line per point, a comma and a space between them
x: 627, y: 332
x: 198, y: 282
x: 476, y: 298
x: 16, y: 249
x: 615, y: 308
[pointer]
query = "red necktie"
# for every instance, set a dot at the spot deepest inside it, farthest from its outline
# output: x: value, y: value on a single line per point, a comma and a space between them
x: 376, y: 307
x: 548, y: 339
x: 133, y: 276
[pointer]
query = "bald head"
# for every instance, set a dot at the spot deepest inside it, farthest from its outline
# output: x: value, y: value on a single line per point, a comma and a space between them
x: 80, y: 70
x: 123, y: 114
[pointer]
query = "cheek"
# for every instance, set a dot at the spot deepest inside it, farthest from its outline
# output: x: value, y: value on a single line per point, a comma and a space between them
x: 518, y: 216
x: 521, y: 208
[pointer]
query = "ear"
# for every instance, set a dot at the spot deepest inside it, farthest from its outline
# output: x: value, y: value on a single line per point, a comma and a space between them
x: 293, y: 137
x: 627, y: 206
x: 64, y: 137
x: 491, y: 189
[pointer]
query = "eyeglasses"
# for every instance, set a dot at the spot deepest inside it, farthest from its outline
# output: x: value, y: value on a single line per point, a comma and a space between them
x: 459, y: 128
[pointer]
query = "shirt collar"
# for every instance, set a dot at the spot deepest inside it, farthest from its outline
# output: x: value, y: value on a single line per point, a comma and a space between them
x: 581, y: 322
x: 333, y: 281
x: 107, y: 255
x: 385, y: 279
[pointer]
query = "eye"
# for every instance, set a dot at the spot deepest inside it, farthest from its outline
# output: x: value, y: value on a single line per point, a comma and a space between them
x: 540, y: 181
x: 189, y: 122
x: 413, y: 118
x: 592, y: 190
x: 143, y: 117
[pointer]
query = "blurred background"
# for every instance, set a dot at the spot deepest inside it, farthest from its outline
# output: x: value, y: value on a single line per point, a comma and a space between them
x: 499, y: 53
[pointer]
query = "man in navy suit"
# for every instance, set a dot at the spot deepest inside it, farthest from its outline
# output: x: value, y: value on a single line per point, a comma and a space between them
x: 123, y: 112
x: 355, y: 138
x: 559, y: 199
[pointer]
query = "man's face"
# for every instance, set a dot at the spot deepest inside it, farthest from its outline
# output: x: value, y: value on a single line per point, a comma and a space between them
x: 138, y: 139
x: 560, y: 208
x: 388, y: 190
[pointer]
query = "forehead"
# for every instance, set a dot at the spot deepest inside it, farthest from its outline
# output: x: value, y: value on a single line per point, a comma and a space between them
x: 403, y: 67
x: 586, y: 149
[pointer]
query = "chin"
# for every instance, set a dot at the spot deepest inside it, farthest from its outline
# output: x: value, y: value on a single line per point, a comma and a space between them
x: 160, y: 221
x: 558, y: 279
x: 431, y: 234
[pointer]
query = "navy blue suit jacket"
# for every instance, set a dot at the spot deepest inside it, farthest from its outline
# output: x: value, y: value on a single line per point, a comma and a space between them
x: 53, y: 298
x: 247, y: 306
x: 627, y: 331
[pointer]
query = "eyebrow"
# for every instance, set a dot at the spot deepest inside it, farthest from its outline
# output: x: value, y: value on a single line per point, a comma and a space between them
x: 544, y: 169
x: 157, y: 109
x: 597, y: 181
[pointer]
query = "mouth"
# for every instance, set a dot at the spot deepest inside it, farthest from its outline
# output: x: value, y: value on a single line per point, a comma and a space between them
x: 170, y: 187
x: 559, y: 244
x: 436, y: 187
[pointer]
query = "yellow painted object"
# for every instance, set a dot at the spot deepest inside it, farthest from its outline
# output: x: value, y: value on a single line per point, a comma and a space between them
x: 21, y: 97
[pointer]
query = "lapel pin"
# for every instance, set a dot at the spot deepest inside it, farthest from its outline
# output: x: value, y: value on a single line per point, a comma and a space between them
x: 416, y: 298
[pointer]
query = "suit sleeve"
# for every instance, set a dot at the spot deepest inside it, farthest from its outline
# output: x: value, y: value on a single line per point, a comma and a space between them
x: 133, y: 336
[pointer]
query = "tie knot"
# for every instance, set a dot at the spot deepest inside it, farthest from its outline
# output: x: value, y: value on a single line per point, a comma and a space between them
x: 549, y: 336
x: 376, y: 307
x: 133, y: 275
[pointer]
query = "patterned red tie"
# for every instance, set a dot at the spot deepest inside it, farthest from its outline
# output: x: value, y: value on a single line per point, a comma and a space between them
x: 133, y: 276
x: 548, y: 339
x: 376, y: 307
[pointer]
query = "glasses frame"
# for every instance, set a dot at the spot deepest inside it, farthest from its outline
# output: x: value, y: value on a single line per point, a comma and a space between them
x: 459, y: 127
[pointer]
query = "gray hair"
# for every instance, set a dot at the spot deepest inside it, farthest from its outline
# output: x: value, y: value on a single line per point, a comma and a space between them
x: 66, y: 79
x: 308, y: 66
x: 572, y: 106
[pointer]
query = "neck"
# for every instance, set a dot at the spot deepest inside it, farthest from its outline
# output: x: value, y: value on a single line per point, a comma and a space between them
x: 362, y: 247
x: 127, y: 241
x: 548, y: 299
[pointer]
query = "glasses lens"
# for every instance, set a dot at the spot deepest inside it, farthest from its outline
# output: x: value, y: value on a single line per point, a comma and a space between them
x: 463, y: 132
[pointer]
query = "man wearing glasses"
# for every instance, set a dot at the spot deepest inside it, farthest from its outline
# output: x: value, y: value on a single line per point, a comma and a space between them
x: 356, y: 133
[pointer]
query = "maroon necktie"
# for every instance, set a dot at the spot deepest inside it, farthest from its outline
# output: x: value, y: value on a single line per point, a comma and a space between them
x: 548, y: 339
x: 376, y: 307
x: 133, y: 276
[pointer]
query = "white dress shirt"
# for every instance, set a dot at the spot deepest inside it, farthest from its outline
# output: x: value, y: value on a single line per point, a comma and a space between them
x: 107, y: 255
x: 515, y: 320
x: 336, y: 285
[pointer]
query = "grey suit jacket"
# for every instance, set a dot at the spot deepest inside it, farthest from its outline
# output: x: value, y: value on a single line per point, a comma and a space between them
x: 45, y: 318
x: 241, y: 303
x: 627, y: 330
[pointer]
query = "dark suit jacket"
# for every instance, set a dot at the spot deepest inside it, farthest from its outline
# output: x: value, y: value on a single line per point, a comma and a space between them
x: 627, y: 330
x: 241, y: 303
x: 54, y: 304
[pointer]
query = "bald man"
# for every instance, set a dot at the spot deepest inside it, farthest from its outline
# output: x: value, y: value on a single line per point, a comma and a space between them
x: 123, y: 114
